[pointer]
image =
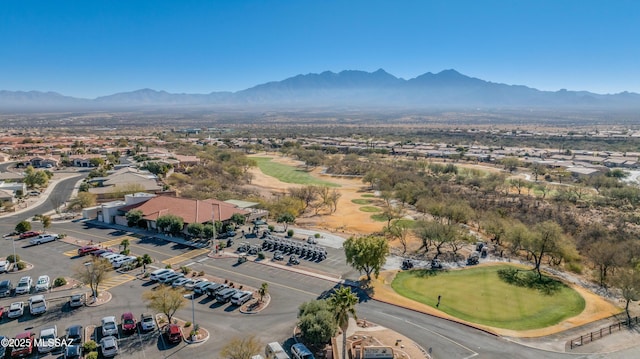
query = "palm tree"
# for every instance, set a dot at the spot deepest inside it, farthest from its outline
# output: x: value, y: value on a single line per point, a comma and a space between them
x: 264, y: 289
x: 343, y: 303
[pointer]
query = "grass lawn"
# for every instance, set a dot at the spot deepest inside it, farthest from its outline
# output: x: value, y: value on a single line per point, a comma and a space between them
x: 361, y: 201
x: 370, y: 209
x: 379, y: 217
x: 289, y: 174
x: 408, y: 222
x: 368, y: 195
x: 478, y: 295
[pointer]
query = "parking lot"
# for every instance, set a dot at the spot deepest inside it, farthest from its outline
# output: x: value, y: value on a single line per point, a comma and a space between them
x: 224, y: 321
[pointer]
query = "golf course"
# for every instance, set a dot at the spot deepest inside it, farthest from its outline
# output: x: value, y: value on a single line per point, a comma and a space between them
x: 289, y: 174
x: 479, y: 295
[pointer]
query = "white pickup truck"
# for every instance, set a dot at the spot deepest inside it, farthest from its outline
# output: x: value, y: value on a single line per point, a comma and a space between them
x: 43, y: 238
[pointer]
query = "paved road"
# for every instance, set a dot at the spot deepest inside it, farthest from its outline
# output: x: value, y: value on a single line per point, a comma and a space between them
x: 447, y: 339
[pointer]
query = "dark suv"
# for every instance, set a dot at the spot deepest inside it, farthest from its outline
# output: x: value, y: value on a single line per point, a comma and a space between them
x: 5, y: 288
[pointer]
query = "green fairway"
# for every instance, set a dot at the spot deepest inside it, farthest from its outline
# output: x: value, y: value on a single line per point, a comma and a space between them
x: 289, y: 174
x: 370, y: 209
x: 361, y: 201
x: 379, y: 217
x: 478, y: 295
x: 368, y: 195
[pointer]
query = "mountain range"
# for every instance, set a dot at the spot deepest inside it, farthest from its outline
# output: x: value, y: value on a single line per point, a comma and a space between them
x: 346, y: 89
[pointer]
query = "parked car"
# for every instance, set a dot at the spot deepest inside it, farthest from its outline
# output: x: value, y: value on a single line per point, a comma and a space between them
x: 173, y: 333
x: 241, y: 297
x: 29, y: 234
x: 25, y: 343
x: 3, y: 348
x: 34, y: 193
x: 76, y: 300
x: 147, y: 322
x: 160, y: 274
x: 47, y: 335
x: 278, y: 256
x: 201, y: 287
x: 4, y: 266
x: 24, y: 285
x: 37, y: 305
x: 180, y: 282
x: 100, y: 252
x: 191, y: 283
x: 10, y: 234
x: 124, y: 261
x: 172, y: 277
x: 43, y: 238
x: 109, y: 326
x: 213, y: 289
x: 75, y: 334
x: 73, y: 351
x: 128, y: 322
x: 224, y: 296
x: 300, y: 351
x: 87, y: 249
x: 16, y: 310
x: 5, y: 288
x: 109, y: 346
x: 43, y: 283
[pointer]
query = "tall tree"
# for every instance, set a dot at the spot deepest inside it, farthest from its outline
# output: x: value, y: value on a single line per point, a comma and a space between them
x: 366, y: 254
x: 546, y: 239
x: 164, y: 299
x: 244, y: 347
x: 628, y: 280
x: 23, y: 226
x: 317, y: 322
x: 286, y: 219
x: 94, y: 273
x: 343, y: 302
x: 262, y: 292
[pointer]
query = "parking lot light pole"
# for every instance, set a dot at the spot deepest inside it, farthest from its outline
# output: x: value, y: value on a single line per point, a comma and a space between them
x: 15, y: 260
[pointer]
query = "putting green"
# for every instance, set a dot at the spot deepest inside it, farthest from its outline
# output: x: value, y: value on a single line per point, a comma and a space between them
x: 478, y: 295
x: 370, y: 209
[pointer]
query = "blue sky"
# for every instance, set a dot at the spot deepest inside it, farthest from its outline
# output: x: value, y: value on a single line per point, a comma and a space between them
x: 92, y: 48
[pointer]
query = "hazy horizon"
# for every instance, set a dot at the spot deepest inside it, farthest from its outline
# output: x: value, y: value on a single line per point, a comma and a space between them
x: 99, y: 48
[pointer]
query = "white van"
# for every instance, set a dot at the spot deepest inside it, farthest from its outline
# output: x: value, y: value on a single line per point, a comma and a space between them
x: 241, y: 297
x: 275, y: 351
x: 159, y: 273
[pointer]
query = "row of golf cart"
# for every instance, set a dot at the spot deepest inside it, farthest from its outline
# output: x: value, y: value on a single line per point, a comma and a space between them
x: 307, y: 251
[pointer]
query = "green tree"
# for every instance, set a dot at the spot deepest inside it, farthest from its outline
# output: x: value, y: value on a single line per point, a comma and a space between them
x: 366, y: 254
x: 436, y: 234
x: 170, y: 223
x: 195, y: 229
x: 628, y: 281
x: 286, y: 218
x: 238, y: 218
x: 83, y: 200
x: 23, y: 226
x: 125, y: 244
x: 546, y: 239
x: 343, y: 303
x: 244, y: 347
x: 164, y: 299
x: 96, y: 162
x: 399, y: 230
x: 46, y: 222
x: 262, y: 292
x: 93, y: 273
x: 134, y: 217
x: 317, y: 322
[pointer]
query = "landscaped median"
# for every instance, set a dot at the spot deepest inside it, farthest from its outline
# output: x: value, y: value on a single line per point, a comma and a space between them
x: 479, y: 297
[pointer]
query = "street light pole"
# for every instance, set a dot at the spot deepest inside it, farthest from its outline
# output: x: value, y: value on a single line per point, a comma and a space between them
x: 15, y: 260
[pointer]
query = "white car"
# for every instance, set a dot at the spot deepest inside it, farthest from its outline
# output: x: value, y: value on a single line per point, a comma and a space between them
x: 4, y: 266
x: 24, y: 285
x: 16, y: 310
x: 109, y: 326
x: 43, y: 283
x: 147, y: 322
x: 180, y: 282
x: 124, y: 261
x: 37, y: 305
x: 172, y: 278
x: 43, y: 238
x: 109, y: 346
x: 158, y: 273
x: 191, y: 283
x: 47, y: 339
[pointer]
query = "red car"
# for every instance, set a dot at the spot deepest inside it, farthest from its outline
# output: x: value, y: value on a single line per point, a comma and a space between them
x: 25, y: 347
x: 29, y: 234
x: 173, y: 333
x: 128, y: 322
x: 87, y: 249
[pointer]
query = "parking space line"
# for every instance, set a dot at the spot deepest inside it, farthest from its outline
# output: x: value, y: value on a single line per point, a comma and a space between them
x: 71, y: 253
x: 115, y: 281
x: 185, y: 256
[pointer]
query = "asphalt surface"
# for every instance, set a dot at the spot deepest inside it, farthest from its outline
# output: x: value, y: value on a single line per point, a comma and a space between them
x: 288, y: 290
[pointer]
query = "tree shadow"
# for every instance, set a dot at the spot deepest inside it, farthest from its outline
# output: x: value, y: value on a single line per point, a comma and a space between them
x: 530, y: 279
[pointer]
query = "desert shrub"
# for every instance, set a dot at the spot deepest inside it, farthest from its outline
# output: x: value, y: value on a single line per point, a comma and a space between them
x: 21, y: 265
x: 290, y: 233
x: 261, y: 255
x: 92, y: 355
x: 90, y: 346
x: 59, y: 282
x: 13, y: 260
